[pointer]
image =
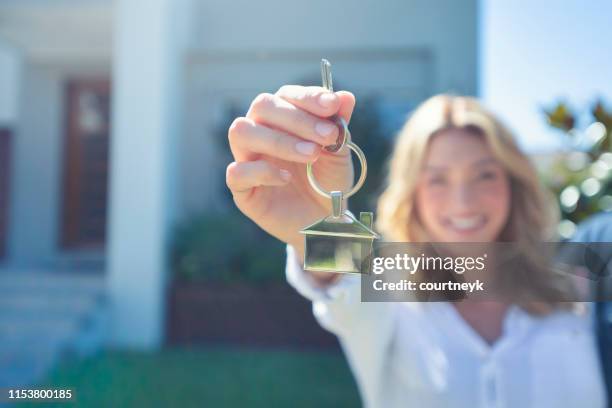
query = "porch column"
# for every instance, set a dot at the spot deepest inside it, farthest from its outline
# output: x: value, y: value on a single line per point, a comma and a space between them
x: 146, y: 85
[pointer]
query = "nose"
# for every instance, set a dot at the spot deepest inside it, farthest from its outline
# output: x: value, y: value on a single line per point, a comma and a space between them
x: 463, y: 196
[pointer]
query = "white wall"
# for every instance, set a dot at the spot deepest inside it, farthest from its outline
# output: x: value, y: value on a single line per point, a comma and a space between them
x: 36, y: 165
x: 446, y: 27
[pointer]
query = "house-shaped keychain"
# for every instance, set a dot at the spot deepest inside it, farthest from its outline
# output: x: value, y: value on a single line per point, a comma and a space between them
x: 339, y: 242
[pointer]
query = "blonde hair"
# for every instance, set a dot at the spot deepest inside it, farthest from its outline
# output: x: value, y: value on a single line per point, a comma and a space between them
x: 533, y: 214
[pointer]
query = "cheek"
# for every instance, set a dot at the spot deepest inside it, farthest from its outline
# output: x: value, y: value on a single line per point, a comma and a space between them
x: 429, y: 203
x: 495, y: 198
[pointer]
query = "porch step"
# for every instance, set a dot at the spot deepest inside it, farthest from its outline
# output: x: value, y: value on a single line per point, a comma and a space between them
x: 44, y: 317
x: 81, y: 261
x: 34, y: 282
x: 28, y: 305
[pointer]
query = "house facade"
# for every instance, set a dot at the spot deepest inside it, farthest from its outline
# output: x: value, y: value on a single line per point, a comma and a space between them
x: 112, y: 116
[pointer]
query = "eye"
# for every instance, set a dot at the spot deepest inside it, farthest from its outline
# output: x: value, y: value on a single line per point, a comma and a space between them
x: 487, y: 175
x: 436, y: 181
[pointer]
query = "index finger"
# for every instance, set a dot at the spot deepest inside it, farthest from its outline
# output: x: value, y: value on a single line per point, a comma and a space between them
x: 319, y: 101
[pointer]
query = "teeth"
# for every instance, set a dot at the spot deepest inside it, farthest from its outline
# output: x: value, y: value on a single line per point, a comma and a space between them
x: 466, y: 222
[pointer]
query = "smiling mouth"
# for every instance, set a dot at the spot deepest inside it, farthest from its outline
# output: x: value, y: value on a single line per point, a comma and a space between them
x: 465, y: 224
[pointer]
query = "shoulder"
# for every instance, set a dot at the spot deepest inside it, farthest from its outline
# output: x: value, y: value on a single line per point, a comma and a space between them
x: 564, y: 358
x: 564, y: 337
x: 564, y: 321
x: 597, y: 228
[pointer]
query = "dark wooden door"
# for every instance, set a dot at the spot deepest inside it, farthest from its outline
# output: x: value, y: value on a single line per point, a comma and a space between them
x: 87, y: 142
x: 5, y: 154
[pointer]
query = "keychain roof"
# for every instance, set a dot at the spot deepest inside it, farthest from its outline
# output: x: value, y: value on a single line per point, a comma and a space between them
x: 344, y: 226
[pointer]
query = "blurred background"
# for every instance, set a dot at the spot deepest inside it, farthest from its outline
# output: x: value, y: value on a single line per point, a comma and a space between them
x: 126, y: 273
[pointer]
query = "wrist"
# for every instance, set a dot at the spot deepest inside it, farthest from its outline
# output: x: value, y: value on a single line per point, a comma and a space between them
x: 324, y: 278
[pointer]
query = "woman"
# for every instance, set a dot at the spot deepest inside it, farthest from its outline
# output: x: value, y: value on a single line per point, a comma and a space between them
x: 456, y: 176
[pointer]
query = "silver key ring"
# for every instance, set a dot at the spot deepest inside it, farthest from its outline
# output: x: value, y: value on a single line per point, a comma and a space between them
x: 343, y: 138
x: 362, y: 160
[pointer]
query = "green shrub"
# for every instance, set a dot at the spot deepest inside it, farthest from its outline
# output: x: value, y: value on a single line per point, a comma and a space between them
x: 226, y: 248
x: 581, y: 177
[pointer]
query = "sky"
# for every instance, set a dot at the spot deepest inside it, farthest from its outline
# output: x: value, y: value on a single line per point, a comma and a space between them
x: 534, y: 53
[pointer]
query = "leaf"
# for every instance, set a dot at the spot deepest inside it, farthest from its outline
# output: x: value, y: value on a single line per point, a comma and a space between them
x: 602, y: 115
x: 560, y: 117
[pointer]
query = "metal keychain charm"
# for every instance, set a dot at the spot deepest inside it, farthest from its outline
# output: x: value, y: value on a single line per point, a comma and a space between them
x: 339, y: 243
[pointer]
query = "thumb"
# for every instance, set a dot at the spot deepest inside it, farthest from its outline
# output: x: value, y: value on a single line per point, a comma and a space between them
x: 347, y: 104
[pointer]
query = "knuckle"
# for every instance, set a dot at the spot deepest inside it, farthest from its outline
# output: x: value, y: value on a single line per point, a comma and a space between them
x: 294, y: 92
x: 261, y: 102
x: 291, y: 91
x: 232, y: 173
x: 238, y: 128
x: 277, y: 142
x: 268, y: 175
x: 284, y: 90
x: 304, y: 121
x: 314, y: 93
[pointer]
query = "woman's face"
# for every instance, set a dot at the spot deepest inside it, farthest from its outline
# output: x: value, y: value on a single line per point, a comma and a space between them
x: 463, y: 194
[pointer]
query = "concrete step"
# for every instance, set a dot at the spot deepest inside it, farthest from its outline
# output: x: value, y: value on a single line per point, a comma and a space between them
x: 38, y: 282
x: 30, y: 305
x: 19, y: 369
x: 45, y: 317
x: 82, y: 260
x: 11, y: 329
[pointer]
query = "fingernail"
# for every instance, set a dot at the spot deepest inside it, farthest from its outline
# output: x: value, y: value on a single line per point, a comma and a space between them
x: 324, y: 129
x: 285, y: 175
x: 305, y: 148
x: 327, y: 99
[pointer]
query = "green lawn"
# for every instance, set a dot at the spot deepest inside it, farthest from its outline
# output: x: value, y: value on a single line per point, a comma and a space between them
x: 208, y: 377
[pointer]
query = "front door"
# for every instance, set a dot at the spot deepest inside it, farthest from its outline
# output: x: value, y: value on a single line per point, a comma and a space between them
x: 87, y: 138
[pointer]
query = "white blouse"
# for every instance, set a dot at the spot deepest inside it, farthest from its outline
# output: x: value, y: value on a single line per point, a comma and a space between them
x: 423, y: 354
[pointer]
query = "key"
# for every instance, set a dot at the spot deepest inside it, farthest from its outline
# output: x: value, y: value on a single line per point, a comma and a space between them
x: 326, y: 75
x: 343, y: 135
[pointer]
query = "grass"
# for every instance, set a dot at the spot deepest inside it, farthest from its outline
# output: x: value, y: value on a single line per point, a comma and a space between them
x: 207, y: 377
